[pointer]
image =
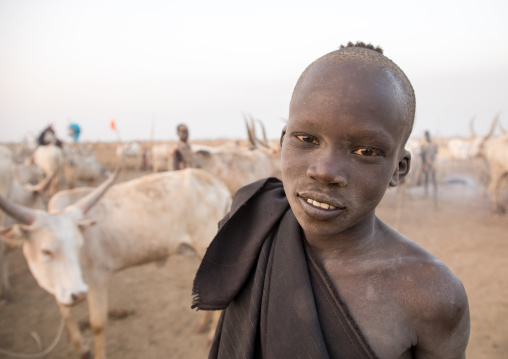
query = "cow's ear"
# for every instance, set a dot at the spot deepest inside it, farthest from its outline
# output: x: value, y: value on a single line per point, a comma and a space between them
x: 15, y: 235
x: 86, y: 222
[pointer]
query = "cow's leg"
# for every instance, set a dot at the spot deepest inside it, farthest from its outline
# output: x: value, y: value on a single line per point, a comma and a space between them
x: 54, y: 186
x: 98, y: 309
x: 495, y: 193
x: 203, y: 323
x: 70, y: 175
x: 4, y: 275
x: 77, y: 340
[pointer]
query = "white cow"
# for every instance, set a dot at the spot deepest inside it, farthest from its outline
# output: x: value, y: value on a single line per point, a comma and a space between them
x: 5, y: 185
x: 469, y: 148
x: 135, y: 222
x: 128, y: 153
x: 496, y: 154
x: 5, y: 173
x: 17, y: 192
x: 238, y: 166
x: 51, y: 160
x: 82, y: 167
x: 26, y: 189
x: 162, y: 157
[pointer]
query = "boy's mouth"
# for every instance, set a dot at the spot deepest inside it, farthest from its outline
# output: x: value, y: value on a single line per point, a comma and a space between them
x: 319, y: 204
x: 318, y: 200
x: 320, y: 210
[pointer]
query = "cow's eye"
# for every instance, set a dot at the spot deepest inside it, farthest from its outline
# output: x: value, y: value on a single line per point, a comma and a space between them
x: 47, y: 253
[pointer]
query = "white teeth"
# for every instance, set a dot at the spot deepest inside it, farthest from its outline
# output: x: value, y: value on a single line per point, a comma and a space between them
x: 319, y: 204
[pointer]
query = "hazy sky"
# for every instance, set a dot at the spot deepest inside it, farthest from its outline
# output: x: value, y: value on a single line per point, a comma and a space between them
x: 153, y: 64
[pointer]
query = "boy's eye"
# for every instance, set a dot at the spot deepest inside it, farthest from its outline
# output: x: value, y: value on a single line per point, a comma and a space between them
x: 307, y: 138
x: 367, y: 152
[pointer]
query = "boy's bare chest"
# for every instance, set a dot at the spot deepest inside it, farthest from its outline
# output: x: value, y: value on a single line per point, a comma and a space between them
x: 377, y: 302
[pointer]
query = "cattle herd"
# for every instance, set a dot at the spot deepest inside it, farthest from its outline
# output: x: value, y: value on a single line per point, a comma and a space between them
x: 77, y: 224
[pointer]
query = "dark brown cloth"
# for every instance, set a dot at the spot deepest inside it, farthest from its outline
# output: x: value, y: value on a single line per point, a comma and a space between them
x: 278, y: 302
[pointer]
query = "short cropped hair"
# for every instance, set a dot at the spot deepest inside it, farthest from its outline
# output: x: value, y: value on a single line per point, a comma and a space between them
x: 368, y: 54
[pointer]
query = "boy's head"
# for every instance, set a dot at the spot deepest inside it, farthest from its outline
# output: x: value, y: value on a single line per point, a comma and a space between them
x: 369, y: 57
x: 350, y: 116
x: 183, y: 132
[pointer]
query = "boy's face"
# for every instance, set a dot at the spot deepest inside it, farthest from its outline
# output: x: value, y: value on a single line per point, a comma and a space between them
x: 342, y: 147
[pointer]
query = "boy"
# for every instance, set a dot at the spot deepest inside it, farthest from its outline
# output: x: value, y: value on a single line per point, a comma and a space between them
x: 304, y: 268
x: 182, y: 155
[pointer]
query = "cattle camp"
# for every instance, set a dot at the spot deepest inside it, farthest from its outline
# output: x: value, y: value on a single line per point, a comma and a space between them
x: 125, y: 225
x: 269, y: 179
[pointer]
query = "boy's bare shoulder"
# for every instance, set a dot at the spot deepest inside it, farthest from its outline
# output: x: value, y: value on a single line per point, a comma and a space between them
x: 426, y: 280
x: 434, y: 299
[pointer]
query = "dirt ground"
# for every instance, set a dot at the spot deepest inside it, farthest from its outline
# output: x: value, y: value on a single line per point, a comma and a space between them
x: 461, y: 232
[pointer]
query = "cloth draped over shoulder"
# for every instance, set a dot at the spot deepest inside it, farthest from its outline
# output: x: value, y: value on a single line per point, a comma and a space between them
x: 278, y: 301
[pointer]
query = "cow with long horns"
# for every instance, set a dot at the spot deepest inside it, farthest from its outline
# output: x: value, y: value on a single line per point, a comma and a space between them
x: 73, y: 248
x: 238, y: 166
x: 18, y: 183
x: 466, y: 149
x: 496, y: 155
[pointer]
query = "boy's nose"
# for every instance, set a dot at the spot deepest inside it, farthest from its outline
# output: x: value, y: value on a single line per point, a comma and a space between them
x: 328, y: 169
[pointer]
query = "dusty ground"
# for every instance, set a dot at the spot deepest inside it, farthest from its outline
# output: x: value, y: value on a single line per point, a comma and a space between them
x: 461, y: 232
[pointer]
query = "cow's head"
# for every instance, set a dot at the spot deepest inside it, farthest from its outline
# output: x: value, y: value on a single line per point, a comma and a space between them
x: 52, y: 242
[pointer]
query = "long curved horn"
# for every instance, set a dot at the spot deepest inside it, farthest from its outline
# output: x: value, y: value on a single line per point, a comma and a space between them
x: 85, y: 203
x: 253, y: 127
x: 471, y: 127
x: 250, y: 131
x: 265, y: 140
x: 492, y: 127
x: 501, y: 127
x: 23, y: 214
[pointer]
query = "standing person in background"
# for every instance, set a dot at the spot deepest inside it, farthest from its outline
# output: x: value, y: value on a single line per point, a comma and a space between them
x: 74, y: 131
x: 48, y: 137
x: 182, y: 155
x: 429, y: 155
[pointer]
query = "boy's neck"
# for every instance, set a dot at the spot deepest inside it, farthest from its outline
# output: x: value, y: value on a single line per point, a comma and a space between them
x: 351, y: 243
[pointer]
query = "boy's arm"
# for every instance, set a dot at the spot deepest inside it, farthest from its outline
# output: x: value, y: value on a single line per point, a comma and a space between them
x: 443, y: 324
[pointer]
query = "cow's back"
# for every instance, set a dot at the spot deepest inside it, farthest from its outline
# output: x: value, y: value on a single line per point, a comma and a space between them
x: 155, y: 214
x: 5, y: 179
x: 50, y: 159
x: 496, y: 153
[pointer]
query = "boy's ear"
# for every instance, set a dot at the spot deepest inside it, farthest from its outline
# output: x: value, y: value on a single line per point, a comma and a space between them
x: 282, y: 135
x: 402, y: 169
